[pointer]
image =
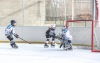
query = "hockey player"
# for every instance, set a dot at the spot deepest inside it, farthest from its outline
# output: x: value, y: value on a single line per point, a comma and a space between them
x: 50, y: 33
x: 66, y: 38
x: 9, y: 32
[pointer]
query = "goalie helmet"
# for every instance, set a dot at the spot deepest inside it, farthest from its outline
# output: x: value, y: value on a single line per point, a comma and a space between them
x: 13, y: 22
x: 64, y: 29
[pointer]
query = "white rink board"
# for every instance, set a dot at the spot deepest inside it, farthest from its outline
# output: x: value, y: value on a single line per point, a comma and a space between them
x: 37, y: 34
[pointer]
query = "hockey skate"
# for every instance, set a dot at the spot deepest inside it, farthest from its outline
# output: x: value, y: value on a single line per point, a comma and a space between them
x: 52, y: 45
x: 46, y: 45
x: 68, y: 46
x: 14, y: 46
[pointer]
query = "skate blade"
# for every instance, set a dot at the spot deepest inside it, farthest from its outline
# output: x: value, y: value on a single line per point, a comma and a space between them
x: 46, y: 46
x: 52, y: 46
x: 15, y: 47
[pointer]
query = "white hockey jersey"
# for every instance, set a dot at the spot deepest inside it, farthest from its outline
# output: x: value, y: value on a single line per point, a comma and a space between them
x: 9, y: 30
x: 67, y: 35
x: 52, y: 32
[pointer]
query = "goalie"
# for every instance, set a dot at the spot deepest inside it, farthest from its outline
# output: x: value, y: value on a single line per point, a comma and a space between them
x: 66, y: 39
x: 9, y: 32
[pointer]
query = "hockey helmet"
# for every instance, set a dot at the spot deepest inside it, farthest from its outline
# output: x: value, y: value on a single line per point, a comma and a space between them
x: 64, y: 29
x: 12, y: 22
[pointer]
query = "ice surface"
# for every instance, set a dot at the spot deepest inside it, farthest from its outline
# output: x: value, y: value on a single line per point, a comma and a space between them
x: 36, y: 53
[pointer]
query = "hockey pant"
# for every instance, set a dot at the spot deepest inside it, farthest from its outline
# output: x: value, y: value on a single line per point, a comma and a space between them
x: 11, y: 39
x: 48, y: 38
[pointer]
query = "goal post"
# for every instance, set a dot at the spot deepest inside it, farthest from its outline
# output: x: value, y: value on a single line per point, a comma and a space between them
x: 85, y: 33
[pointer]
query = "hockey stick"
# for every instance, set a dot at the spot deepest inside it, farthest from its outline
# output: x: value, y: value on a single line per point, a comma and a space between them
x: 21, y: 38
x: 24, y: 40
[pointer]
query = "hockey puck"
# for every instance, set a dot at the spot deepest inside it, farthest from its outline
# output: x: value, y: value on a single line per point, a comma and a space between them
x: 29, y: 43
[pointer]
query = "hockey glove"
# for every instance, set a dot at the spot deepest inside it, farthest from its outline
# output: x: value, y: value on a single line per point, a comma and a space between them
x: 17, y: 36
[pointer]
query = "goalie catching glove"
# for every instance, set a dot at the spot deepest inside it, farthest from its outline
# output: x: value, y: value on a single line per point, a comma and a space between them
x: 17, y: 36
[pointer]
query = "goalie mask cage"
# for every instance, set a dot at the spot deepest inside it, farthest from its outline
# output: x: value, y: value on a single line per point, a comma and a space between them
x: 85, y: 33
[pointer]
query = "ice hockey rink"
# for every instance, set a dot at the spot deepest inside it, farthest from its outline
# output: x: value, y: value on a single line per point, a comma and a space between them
x: 34, y: 17
x: 36, y: 53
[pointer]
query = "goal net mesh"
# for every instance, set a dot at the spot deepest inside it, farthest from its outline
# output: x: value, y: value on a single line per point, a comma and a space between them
x: 85, y: 34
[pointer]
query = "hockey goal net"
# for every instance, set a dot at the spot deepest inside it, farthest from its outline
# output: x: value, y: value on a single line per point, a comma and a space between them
x: 85, y: 33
